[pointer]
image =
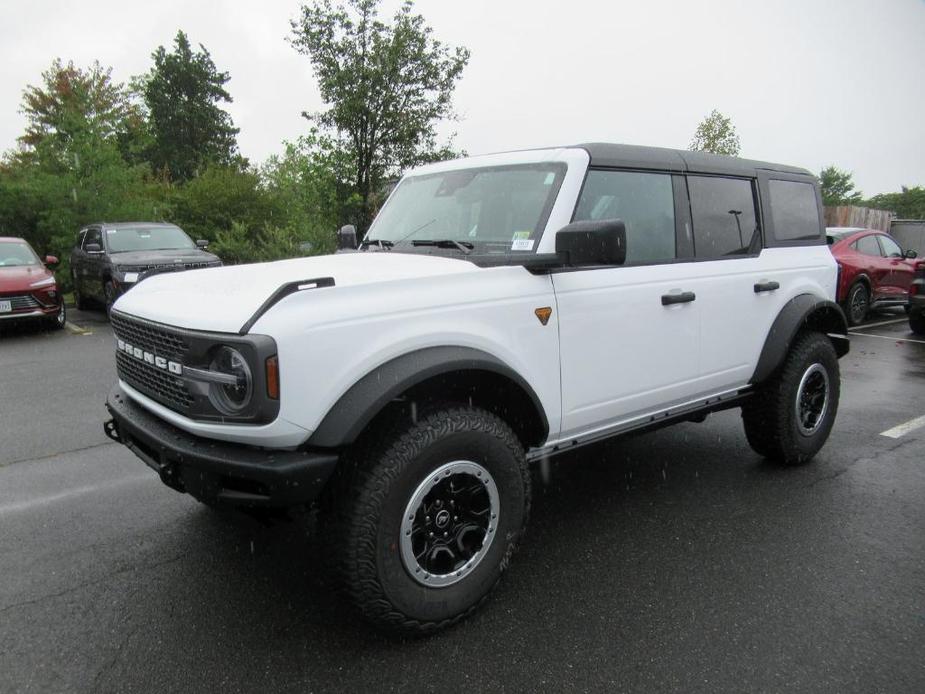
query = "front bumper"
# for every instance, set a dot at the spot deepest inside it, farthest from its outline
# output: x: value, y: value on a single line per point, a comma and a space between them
x: 217, y: 471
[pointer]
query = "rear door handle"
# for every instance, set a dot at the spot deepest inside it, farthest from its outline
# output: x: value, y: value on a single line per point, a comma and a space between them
x: 680, y: 298
x: 766, y: 287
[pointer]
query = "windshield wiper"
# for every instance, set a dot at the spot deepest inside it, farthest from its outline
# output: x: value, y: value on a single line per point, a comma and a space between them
x: 464, y: 246
x: 383, y: 244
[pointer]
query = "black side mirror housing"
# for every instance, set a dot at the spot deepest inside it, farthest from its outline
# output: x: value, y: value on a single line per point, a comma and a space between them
x: 910, y: 254
x: 600, y: 242
x: 347, y: 239
x: 93, y: 248
x: 202, y: 243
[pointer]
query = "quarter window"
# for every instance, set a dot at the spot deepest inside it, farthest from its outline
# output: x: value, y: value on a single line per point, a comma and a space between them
x: 723, y: 215
x: 794, y: 210
x: 645, y: 204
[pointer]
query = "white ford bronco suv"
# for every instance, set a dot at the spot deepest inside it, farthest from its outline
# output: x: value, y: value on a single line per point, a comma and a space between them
x: 500, y: 309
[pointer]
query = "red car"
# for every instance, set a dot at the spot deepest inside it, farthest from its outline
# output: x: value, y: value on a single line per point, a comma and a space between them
x: 873, y: 270
x: 28, y: 289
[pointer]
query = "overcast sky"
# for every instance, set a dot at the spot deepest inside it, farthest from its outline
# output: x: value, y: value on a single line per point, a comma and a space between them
x: 808, y: 82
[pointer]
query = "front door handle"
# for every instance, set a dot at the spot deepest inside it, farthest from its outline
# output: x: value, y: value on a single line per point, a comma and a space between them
x: 766, y: 287
x: 680, y: 298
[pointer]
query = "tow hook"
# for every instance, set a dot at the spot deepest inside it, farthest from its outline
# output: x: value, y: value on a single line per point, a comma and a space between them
x: 111, y: 429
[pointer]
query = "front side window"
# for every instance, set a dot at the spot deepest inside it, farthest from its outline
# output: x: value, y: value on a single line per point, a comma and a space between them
x: 500, y: 209
x: 868, y: 245
x: 93, y: 236
x: 17, y: 253
x: 794, y: 210
x: 891, y: 249
x: 723, y: 215
x: 147, y: 238
x: 645, y: 204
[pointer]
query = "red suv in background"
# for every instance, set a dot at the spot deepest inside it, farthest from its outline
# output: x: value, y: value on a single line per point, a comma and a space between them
x: 873, y: 270
x: 28, y: 289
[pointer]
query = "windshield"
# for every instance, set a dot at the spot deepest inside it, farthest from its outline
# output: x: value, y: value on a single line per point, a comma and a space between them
x: 147, y: 238
x: 17, y: 253
x: 489, y: 210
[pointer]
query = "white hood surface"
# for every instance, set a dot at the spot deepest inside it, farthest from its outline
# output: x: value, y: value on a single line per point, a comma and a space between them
x: 222, y: 299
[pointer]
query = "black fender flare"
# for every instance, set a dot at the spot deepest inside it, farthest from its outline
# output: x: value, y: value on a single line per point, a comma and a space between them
x: 803, y: 310
x: 366, y: 398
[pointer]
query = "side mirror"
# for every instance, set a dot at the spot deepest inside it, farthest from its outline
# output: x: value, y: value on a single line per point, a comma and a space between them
x: 910, y: 254
x: 51, y: 260
x: 601, y: 242
x: 347, y: 238
x: 93, y: 248
x: 202, y: 243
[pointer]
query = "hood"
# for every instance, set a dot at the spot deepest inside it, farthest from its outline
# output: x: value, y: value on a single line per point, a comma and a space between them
x: 167, y: 257
x: 222, y: 299
x: 19, y: 278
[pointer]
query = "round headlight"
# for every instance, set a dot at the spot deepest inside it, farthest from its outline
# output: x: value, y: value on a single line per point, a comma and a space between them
x: 231, y: 398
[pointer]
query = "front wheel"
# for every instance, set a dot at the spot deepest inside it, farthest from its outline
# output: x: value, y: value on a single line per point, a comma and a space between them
x: 57, y: 321
x: 429, y: 517
x: 109, y: 294
x: 789, y: 418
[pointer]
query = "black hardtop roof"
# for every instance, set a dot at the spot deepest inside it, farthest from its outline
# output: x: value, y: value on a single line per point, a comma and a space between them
x: 637, y: 157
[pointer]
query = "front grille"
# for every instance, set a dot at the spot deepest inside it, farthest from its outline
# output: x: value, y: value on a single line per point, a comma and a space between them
x: 170, y: 267
x: 155, y: 338
x: 154, y: 382
x: 21, y: 303
x: 160, y: 385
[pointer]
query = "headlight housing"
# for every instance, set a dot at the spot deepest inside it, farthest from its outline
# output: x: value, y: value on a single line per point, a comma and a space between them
x: 232, y: 396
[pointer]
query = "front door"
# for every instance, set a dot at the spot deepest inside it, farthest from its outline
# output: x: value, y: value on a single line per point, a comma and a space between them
x: 629, y: 336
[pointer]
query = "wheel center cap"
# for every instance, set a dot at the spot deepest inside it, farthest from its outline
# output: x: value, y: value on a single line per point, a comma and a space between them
x: 442, y: 519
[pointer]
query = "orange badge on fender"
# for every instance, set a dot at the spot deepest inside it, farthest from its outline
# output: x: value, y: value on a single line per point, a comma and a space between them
x: 543, y: 314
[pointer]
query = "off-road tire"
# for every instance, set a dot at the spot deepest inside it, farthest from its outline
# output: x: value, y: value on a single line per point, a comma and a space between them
x: 770, y: 416
x: 374, y: 484
x: 858, y: 295
x: 917, y: 321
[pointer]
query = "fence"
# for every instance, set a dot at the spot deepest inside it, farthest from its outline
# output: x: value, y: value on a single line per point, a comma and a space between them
x: 910, y: 233
x: 861, y: 217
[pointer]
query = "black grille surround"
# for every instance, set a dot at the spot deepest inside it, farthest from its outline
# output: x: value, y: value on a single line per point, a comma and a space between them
x: 178, y: 348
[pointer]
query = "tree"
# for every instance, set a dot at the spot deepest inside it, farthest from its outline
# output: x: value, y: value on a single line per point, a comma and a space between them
x: 189, y: 129
x: 72, y: 103
x: 837, y: 187
x: 716, y: 134
x: 386, y: 86
x: 907, y: 204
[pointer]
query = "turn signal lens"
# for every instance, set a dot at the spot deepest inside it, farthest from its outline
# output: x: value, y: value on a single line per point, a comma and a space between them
x: 273, y: 378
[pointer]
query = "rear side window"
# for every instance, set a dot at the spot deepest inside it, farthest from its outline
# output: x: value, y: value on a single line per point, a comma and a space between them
x: 723, y: 215
x: 645, y: 203
x: 794, y: 210
x: 868, y: 245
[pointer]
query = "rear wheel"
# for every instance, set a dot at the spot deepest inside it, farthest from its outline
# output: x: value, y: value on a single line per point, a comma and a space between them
x: 917, y: 321
x: 428, y: 517
x: 857, y: 304
x: 791, y: 415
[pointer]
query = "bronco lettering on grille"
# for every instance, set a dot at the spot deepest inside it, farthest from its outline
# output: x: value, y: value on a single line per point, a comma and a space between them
x: 149, y: 357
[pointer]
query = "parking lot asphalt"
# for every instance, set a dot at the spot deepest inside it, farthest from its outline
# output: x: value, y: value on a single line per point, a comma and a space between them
x: 677, y: 560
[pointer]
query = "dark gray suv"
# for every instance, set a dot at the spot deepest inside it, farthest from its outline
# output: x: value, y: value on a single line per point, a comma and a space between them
x: 108, y: 259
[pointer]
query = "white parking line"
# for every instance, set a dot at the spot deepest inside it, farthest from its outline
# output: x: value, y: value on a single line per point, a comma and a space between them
x: 904, y: 428
x: 28, y: 504
x: 885, y: 322
x: 885, y: 337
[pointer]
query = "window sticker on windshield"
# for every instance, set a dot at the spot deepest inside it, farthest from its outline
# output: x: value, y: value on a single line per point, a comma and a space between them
x: 521, y: 241
x: 550, y: 177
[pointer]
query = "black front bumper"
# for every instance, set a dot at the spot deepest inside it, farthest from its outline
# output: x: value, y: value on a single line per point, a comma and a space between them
x: 217, y: 471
